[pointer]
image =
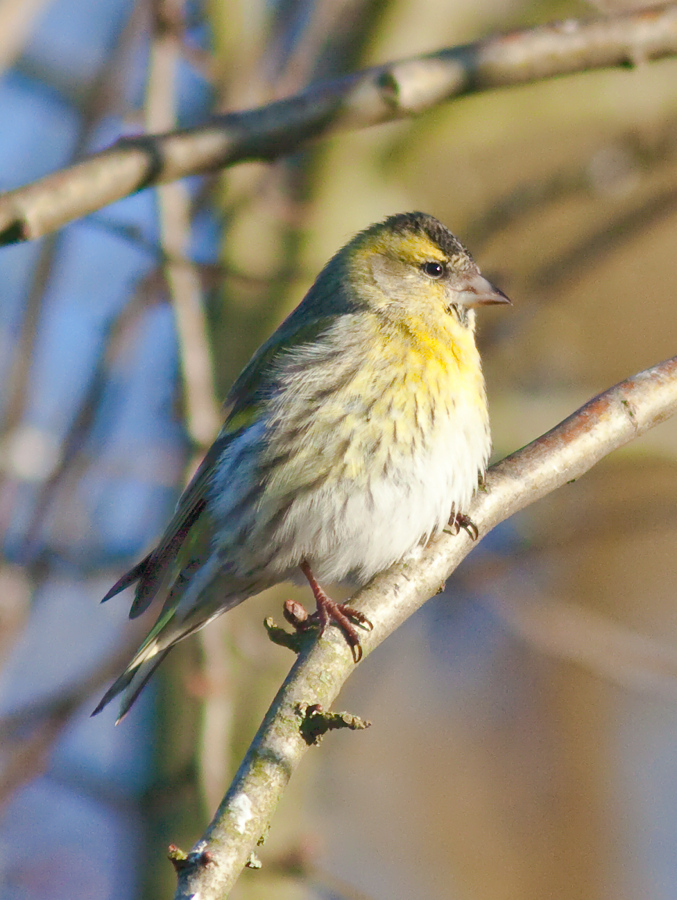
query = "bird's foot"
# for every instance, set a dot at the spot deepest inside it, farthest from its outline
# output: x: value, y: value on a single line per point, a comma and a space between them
x: 460, y: 520
x: 328, y: 611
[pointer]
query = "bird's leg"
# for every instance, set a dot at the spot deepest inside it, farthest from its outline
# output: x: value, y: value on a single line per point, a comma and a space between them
x: 339, y: 613
x: 460, y: 520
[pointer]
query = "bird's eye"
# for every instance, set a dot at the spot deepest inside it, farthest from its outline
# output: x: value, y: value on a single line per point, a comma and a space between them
x: 433, y: 269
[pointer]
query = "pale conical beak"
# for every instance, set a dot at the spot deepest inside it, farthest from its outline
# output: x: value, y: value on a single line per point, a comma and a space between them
x: 476, y: 290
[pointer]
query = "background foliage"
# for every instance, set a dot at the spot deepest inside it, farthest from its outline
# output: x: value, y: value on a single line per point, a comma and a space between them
x: 525, y: 725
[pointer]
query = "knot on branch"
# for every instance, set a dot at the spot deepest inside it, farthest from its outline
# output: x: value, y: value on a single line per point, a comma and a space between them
x: 315, y: 722
x: 291, y: 640
x: 196, y: 859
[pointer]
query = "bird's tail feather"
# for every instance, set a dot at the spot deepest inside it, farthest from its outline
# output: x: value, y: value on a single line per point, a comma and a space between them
x: 187, y: 609
x: 134, y: 574
x: 131, y: 683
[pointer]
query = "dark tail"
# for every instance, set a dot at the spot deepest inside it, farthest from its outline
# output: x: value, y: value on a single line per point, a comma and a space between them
x: 131, y: 682
x: 130, y: 577
x: 149, y: 574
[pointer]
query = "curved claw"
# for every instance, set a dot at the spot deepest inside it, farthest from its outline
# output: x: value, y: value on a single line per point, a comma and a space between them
x: 460, y: 520
x: 357, y: 616
x: 339, y: 613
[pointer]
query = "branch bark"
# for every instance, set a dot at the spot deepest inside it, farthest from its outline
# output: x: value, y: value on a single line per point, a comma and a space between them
x: 610, y: 420
x: 379, y: 94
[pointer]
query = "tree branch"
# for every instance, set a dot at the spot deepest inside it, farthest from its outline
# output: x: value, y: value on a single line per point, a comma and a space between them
x: 563, y: 454
x: 380, y: 94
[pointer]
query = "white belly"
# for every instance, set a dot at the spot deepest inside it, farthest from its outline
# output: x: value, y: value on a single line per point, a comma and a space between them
x: 356, y: 529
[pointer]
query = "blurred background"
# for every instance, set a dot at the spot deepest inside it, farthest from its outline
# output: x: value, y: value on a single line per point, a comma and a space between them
x: 525, y: 721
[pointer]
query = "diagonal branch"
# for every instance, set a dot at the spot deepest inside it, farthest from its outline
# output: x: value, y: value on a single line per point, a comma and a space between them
x: 379, y: 94
x: 563, y: 454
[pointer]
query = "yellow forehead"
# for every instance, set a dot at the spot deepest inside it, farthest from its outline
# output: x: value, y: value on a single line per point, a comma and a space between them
x: 409, y: 247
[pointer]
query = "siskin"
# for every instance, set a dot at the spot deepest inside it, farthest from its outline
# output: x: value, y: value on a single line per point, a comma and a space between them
x: 352, y: 436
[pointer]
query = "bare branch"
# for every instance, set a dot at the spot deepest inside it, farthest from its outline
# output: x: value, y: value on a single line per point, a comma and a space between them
x: 203, y: 413
x: 563, y: 454
x: 380, y: 94
x: 16, y: 21
x: 592, y: 640
x: 616, y: 166
x: 28, y: 735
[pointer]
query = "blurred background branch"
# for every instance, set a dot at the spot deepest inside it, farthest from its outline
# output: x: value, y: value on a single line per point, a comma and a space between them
x: 538, y: 687
x: 377, y: 95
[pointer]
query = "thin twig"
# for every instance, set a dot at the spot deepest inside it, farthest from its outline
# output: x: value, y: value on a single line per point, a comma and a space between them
x: 592, y: 640
x: 202, y: 407
x: 619, y: 166
x: 202, y: 410
x: 29, y: 734
x: 577, y: 260
x: 563, y: 454
x: 16, y: 21
x: 380, y: 94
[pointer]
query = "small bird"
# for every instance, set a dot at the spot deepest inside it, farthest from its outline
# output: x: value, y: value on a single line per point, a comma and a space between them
x: 355, y: 433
